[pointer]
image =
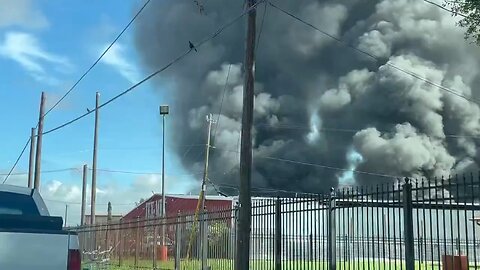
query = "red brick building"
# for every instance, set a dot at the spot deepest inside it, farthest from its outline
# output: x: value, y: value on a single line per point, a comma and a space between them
x: 174, y: 205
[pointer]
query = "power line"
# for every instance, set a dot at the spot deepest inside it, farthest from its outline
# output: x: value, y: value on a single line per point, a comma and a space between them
x: 105, y: 170
x: 174, y: 61
x: 446, y: 9
x: 344, y: 130
x: 221, y: 102
x: 339, y: 40
x: 216, y: 188
x: 316, y: 165
x: 99, y: 58
x: 216, y: 185
x: 124, y: 149
x: 46, y: 171
x: 119, y: 95
x: 329, y: 167
x: 276, y: 190
x: 16, y: 161
x: 261, y: 26
x: 144, y: 173
x: 264, y: 189
x: 79, y: 203
x: 81, y: 78
x: 188, y: 151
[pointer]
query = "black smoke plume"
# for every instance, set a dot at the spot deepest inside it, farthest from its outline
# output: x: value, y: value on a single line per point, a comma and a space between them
x: 317, y: 101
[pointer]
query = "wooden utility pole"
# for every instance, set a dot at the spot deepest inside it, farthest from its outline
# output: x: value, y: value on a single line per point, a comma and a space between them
x: 94, y: 163
x: 31, y: 159
x: 203, y: 231
x: 210, y: 121
x: 245, y: 204
x: 84, y: 194
x: 38, y: 154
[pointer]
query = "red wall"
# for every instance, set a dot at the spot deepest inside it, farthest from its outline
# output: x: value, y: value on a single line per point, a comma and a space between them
x: 175, y: 205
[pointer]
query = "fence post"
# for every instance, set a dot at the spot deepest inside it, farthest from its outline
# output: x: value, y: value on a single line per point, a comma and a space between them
x: 332, y: 234
x: 408, y: 225
x: 121, y: 244
x: 91, y: 237
x: 204, y: 240
x: 278, y: 234
x: 178, y: 240
x: 107, y: 236
x: 233, y: 234
x: 85, y: 244
x: 154, y: 244
x: 137, y: 242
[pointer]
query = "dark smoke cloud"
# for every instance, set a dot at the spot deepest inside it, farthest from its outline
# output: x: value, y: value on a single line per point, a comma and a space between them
x: 306, y: 81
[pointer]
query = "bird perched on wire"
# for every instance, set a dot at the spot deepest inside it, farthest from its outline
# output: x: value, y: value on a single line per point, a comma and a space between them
x: 192, y: 47
x: 88, y: 110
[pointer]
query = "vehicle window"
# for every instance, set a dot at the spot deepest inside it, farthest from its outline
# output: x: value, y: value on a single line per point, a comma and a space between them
x: 10, y: 211
x: 17, y: 204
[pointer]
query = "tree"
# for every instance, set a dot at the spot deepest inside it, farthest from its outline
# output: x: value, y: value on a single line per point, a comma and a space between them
x: 219, y: 239
x: 469, y: 10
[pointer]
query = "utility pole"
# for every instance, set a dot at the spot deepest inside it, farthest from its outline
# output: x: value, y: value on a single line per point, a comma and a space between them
x: 245, y: 204
x: 66, y: 214
x: 38, y: 154
x: 94, y: 164
x: 203, y: 227
x: 210, y: 121
x: 84, y: 194
x: 31, y: 159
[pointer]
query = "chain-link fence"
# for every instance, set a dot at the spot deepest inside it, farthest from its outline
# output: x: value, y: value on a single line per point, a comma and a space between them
x: 138, y: 244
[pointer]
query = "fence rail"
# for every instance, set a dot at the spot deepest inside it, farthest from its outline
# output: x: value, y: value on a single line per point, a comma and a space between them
x: 417, y: 224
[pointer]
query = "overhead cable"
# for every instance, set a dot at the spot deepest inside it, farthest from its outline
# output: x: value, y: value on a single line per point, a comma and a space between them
x: 454, y: 13
x: 16, y: 161
x: 314, y: 165
x: 81, y: 78
x: 377, y: 59
x: 174, y: 61
x: 99, y: 58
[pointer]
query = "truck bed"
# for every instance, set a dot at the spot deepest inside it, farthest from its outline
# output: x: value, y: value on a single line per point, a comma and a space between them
x: 28, y: 249
x: 31, y: 239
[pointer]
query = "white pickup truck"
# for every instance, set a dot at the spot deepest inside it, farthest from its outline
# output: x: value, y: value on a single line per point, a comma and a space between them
x: 30, y: 239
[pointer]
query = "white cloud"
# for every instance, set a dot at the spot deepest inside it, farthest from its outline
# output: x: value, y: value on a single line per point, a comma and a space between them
x: 58, y: 193
x: 21, y: 13
x: 25, y: 49
x: 115, y: 57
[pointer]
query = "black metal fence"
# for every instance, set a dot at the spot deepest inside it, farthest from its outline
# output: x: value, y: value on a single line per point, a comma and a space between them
x: 417, y: 224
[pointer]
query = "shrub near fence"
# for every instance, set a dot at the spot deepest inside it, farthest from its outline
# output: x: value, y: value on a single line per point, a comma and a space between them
x: 417, y: 224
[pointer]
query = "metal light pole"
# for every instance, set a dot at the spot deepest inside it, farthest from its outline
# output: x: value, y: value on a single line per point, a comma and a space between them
x: 164, y: 109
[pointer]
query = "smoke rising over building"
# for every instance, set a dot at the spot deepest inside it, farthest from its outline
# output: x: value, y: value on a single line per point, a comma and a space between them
x: 317, y: 101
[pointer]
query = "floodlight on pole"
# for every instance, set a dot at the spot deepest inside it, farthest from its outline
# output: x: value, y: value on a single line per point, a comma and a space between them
x: 164, y: 110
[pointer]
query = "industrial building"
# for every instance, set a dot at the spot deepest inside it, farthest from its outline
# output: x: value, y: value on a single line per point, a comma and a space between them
x: 175, y: 205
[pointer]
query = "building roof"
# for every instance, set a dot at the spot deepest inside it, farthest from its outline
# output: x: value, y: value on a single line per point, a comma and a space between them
x: 104, y: 215
x: 190, y: 196
x: 181, y: 203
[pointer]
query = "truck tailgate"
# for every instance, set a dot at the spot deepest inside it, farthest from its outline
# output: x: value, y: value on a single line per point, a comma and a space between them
x: 33, y: 249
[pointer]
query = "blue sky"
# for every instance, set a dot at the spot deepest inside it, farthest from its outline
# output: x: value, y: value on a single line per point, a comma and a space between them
x: 46, y: 46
